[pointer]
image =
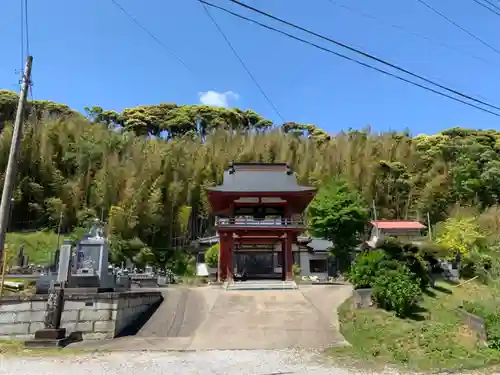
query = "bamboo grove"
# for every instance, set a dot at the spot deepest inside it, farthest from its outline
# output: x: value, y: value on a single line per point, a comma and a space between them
x: 144, y: 170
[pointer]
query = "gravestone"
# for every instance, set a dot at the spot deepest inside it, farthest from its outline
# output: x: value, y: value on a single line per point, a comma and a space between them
x: 56, y: 259
x: 25, y: 261
x: 91, y: 259
x: 64, y: 266
x: 52, y: 335
x: 87, y: 268
x: 20, y: 256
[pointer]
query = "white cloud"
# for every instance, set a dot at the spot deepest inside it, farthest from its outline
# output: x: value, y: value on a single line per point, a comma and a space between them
x: 218, y: 99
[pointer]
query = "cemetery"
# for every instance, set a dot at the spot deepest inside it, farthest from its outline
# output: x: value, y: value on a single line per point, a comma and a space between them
x: 79, y: 298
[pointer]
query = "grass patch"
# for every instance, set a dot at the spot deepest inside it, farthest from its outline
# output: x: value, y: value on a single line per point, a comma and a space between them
x: 434, y: 338
x: 38, y: 246
x: 16, y: 348
x: 193, y: 280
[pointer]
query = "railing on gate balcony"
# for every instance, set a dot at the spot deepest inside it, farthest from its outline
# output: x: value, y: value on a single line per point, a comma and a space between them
x: 250, y: 222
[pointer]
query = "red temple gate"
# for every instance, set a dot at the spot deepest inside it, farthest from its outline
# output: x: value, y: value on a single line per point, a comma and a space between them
x: 259, y: 204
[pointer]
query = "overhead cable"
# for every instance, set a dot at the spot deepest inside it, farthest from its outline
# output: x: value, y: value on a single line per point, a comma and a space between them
x: 153, y: 36
x: 418, y: 35
x: 349, y: 58
x: 362, y: 53
x: 252, y: 77
x: 442, y: 15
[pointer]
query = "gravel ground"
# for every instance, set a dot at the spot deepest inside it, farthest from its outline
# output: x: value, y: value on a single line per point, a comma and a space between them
x: 255, y: 362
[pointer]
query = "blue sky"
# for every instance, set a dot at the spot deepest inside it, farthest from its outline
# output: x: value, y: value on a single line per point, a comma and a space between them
x: 89, y: 53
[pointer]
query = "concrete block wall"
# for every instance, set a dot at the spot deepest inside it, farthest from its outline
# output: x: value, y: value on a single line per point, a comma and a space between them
x: 95, y: 315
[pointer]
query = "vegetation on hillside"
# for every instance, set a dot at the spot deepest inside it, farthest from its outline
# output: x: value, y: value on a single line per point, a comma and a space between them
x: 434, y: 338
x: 38, y: 246
x: 416, y: 324
x: 144, y: 170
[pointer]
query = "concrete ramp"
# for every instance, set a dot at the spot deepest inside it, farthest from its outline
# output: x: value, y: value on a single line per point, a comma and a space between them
x: 266, y: 320
x: 209, y: 318
x: 180, y: 314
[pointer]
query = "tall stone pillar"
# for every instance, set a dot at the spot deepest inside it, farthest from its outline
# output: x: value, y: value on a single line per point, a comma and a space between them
x: 226, y: 256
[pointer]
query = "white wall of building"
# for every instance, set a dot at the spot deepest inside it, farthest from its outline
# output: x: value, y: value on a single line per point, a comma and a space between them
x: 305, y: 268
x: 304, y: 260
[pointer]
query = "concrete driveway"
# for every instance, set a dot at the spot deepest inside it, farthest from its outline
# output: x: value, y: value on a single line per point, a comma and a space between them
x: 208, y: 318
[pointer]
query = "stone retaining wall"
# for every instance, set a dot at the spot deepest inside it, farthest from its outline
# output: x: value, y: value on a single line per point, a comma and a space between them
x: 476, y: 325
x: 95, y: 315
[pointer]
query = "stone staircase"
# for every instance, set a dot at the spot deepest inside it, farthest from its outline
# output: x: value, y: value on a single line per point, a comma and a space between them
x: 260, y: 285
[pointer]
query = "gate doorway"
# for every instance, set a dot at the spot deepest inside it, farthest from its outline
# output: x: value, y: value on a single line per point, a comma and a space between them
x: 257, y: 264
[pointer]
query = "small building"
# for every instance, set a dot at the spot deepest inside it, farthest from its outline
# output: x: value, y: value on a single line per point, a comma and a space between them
x: 259, y: 216
x: 311, y: 255
x: 408, y: 231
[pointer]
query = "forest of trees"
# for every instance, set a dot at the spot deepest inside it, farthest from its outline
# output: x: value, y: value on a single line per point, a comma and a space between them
x: 144, y: 170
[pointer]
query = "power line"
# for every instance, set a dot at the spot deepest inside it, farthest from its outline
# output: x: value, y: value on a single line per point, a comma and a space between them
x: 343, y: 45
x: 242, y: 62
x: 27, y: 41
x: 348, y: 58
x: 145, y: 29
x: 418, y: 35
x: 494, y: 5
x: 487, y: 7
x: 458, y: 26
x: 494, y: 8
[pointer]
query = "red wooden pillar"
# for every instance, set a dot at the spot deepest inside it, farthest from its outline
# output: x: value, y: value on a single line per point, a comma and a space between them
x: 226, y: 256
x: 283, y: 258
x: 288, y: 257
x: 230, y: 249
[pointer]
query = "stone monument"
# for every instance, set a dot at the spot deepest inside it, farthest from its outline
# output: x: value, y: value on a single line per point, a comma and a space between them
x: 91, y: 260
x: 86, y: 268
x: 64, y: 264
x: 52, y: 335
x: 20, y: 256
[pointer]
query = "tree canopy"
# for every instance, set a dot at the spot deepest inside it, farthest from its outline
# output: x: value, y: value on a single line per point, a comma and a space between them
x: 338, y: 213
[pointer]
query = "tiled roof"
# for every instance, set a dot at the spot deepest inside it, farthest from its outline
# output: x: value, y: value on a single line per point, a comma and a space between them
x: 320, y: 245
x: 256, y: 177
x: 397, y: 224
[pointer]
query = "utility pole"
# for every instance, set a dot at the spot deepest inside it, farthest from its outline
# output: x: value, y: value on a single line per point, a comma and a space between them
x: 10, y: 171
x: 429, y: 228
x: 4, y: 271
x: 61, y: 215
x: 374, y: 207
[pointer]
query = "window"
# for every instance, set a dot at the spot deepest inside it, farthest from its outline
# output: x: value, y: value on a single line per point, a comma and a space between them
x: 318, y: 265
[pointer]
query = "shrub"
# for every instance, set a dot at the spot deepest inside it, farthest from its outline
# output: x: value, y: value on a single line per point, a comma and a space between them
x: 397, y: 290
x: 212, y: 255
x: 477, y: 264
x: 367, y: 267
x: 296, y: 270
x: 410, y: 256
